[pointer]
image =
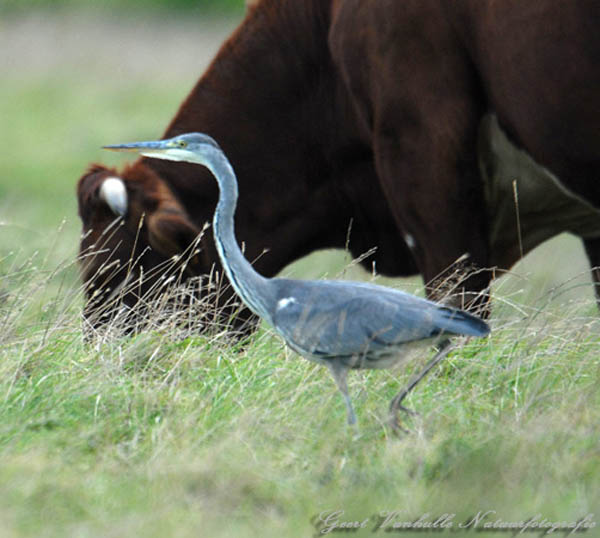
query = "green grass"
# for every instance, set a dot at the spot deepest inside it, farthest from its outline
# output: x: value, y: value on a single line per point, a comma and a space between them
x: 159, y: 436
x: 170, y: 434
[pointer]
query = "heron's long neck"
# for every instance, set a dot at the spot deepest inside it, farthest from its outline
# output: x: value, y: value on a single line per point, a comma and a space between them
x: 248, y: 284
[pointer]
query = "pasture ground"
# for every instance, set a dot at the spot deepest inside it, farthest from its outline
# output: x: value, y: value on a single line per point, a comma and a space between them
x: 162, y: 436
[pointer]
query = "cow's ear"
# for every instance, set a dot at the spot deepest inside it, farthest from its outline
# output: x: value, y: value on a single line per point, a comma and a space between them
x: 170, y: 232
x: 101, y: 187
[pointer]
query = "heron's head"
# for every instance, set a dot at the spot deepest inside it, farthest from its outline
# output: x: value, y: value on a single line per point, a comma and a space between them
x: 191, y: 147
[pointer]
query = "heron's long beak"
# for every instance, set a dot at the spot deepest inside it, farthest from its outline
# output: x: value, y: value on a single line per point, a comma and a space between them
x: 157, y: 146
x: 159, y: 149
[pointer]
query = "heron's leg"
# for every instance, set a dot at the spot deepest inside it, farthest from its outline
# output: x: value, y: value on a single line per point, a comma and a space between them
x: 339, y: 372
x: 395, y: 405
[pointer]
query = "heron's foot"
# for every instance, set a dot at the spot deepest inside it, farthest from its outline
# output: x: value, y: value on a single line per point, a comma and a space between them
x: 408, y: 411
x: 396, y: 403
x: 395, y: 422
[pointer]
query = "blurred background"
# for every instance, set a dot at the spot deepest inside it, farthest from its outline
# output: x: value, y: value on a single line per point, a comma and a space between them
x: 77, y: 74
x: 160, y: 7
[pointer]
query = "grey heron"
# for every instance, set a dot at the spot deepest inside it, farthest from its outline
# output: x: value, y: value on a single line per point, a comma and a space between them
x: 340, y: 324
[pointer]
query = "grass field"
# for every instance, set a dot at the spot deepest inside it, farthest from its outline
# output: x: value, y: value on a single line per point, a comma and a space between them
x: 164, y: 436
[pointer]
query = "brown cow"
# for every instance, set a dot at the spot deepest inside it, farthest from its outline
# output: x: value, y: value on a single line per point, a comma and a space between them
x: 369, y: 112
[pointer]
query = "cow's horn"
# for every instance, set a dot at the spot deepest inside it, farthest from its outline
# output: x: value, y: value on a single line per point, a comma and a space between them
x: 114, y: 193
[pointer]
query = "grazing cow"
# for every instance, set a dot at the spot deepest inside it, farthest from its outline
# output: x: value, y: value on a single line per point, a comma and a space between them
x: 375, y: 113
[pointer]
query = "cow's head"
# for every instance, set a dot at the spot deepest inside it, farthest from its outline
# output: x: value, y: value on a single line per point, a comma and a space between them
x: 273, y: 101
x: 138, y: 244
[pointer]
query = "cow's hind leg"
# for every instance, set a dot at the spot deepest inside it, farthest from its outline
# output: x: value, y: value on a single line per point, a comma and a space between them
x: 420, y: 101
x: 432, y: 181
x: 592, y: 249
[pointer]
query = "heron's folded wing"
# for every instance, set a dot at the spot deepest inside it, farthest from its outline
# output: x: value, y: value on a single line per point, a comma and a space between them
x: 362, y: 324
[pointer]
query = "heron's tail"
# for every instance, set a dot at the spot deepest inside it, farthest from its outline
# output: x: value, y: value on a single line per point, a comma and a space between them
x: 454, y: 321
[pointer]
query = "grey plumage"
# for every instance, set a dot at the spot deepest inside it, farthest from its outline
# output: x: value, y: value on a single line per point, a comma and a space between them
x: 340, y: 324
x: 346, y: 325
x: 360, y: 322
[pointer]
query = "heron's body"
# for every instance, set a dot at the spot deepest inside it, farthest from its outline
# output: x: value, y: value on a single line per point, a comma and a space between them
x: 362, y: 325
x: 340, y: 324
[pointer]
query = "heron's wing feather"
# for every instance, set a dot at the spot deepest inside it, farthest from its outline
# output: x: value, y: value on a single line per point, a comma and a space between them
x: 358, y: 325
x: 343, y: 319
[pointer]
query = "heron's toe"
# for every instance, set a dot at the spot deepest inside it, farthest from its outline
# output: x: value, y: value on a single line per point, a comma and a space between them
x: 408, y: 411
x: 397, y: 426
x: 395, y: 422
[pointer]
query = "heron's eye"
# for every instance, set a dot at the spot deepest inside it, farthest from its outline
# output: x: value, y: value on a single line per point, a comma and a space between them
x: 182, y: 143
